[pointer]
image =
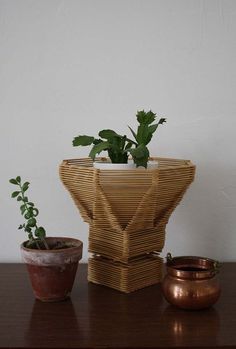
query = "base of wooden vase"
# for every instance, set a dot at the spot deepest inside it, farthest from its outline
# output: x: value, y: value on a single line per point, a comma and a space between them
x: 138, y: 273
x: 122, y: 245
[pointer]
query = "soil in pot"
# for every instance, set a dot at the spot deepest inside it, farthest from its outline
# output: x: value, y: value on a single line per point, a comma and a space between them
x: 52, y: 272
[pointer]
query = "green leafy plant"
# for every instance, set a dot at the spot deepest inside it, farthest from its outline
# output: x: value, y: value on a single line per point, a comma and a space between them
x: 119, y: 147
x: 143, y: 136
x: 36, y: 234
x: 116, y: 145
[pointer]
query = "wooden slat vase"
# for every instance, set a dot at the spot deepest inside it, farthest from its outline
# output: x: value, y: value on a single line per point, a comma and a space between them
x: 127, y: 211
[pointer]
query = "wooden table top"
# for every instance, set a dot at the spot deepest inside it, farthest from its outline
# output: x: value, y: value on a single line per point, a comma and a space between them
x: 99, y: 317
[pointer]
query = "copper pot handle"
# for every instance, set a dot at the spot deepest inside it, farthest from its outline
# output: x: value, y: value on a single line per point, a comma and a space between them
x: 217, y: 267
x: 169, y: 257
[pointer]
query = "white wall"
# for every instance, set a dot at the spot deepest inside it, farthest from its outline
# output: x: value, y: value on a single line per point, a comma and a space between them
x: 70, y: 67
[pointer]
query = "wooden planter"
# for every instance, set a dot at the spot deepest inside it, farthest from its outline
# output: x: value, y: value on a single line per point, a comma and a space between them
x: 127, y: 211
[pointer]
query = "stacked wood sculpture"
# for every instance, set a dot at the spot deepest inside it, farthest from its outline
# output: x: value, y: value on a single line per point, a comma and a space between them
x: 127, y: 211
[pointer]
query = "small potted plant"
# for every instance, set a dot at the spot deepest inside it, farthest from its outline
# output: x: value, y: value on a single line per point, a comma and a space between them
x: 120, y: 147
x: 51, y: 261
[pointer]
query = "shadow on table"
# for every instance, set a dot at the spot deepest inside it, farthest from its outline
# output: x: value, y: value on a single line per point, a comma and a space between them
x: 192, y: 327
x: 118, y: 319
x: 98, y: 316
x: 52, y: 323
x: 144, y: 319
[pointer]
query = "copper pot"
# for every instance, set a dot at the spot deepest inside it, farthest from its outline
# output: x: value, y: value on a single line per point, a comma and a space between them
x: 191, y: 282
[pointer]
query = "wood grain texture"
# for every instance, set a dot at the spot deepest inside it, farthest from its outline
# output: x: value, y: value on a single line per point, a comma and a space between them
x: 99, y: 317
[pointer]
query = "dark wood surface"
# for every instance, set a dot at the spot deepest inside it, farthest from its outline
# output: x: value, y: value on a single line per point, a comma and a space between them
x: 98, y: 317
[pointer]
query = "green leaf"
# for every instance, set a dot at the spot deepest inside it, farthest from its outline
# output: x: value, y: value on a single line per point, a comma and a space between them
x: 22, y: 209
x: 118, y: 157
x: 82, y: 140
x: 31, y: 240
x: 97, y: 141
x: 128, y: 146
x: 28, y: 215
x: 131, y: 141
x: 30, y: 204
x: 140, y: 151
x: 20, y: 226
x: 145, y: 118
x: 18, y: 179
x: 133, y: 133
x: 13, y: 181
x: 40, y: 232
x: 25, y: 186
x: 19, y: 198
x: 15, y: 193
x: 25, y: 199
x: 161, y: 121
x: 123, y: 142
x: 32, y: 222
x: 116, y: 149
x: 97, y: 148
x: 35, y: 212
x: 108, y: 134
x: 31, y: 210
x: 152, y: 128
x: 28, y: 229
x: 140, y: 155
x: 142, y: 135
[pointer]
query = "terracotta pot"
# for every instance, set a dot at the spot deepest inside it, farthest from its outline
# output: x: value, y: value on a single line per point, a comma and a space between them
x: 52, y: 272
x: 191, y: 282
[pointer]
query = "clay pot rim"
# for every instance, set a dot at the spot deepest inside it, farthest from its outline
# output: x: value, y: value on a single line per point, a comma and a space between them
x: 208, y: 265
x: 79, y: 245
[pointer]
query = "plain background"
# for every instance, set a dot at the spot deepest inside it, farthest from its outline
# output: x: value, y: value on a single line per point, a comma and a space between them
x: 75, y: 67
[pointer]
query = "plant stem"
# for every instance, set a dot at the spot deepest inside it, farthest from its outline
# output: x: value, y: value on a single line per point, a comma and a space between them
x: 33, y: 238
x: 37, y: 244
x: 44, y: 241
x: 45, y: 244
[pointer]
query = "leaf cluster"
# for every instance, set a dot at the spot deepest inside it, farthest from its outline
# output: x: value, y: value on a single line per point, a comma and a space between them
x: 118, y: 146
x: 36, y: 234
x: 115, y: 144
x: 143, y: 136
